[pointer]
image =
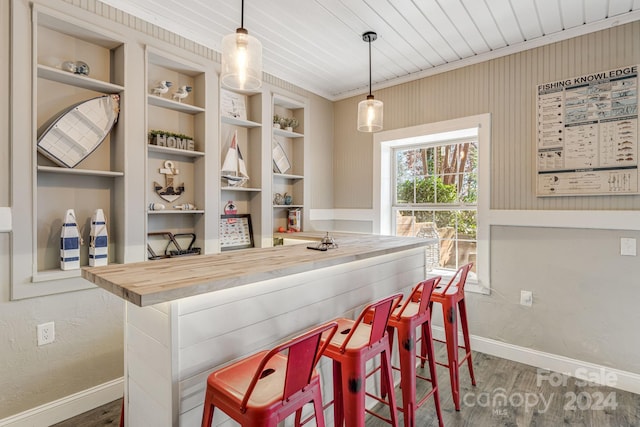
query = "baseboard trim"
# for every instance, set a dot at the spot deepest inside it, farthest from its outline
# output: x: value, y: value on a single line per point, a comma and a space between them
x: 91, y: 398
x: 623, y: 380
x: 67, y: 407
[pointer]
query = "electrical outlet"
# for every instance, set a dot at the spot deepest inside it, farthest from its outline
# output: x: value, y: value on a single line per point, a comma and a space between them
x: 526, y: 298
x: 46, y: 333
x: 627, y: 246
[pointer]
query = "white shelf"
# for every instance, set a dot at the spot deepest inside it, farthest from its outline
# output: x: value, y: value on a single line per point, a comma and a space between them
x: 77, y: 80
x: 61, y: 170
x: 287, y: 176
x: 47, y: 275
x: 239, y: 122
x: 287, y: 134
x: 246, y: 189
x: 175, y: 212
x: 173, y: 105
x: 177, y: 151
x: 287, y: 206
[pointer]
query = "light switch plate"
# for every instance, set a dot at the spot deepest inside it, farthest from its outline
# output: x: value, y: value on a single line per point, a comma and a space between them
x: 5, y: 219
x: 627, y: 246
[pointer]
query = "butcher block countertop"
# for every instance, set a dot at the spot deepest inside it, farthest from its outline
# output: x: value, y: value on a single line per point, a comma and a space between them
x: 152, y: 282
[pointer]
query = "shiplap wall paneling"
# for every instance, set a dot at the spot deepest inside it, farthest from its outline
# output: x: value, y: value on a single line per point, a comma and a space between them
x: 150, y: 380
x: 213, y: 335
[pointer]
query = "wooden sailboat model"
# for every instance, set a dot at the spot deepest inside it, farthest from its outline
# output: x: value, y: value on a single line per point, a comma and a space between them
x: 234, y: 169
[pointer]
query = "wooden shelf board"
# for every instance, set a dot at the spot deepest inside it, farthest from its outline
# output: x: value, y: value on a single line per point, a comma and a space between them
x: 173, y: 105
x: 287, y: 176
x: 68, y: 171
x: 175, y: 211
x: 287, y: 134
x: 246, y: 189
x: 178, y: 151
x: 47, y: 275
x: 239, y: 122
x: 77, y: 80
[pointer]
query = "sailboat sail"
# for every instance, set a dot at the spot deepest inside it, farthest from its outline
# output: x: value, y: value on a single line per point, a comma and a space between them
x: 234, y: 169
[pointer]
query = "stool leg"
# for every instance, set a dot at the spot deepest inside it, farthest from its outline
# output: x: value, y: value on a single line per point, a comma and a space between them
x: 467, y: 341
x: 353, y: 392
x: 427, y: 337
x: 338, y: 399
x: 387, y: 376
x: 407, y: 353
x: 207, y: 413
x: 451, y: 331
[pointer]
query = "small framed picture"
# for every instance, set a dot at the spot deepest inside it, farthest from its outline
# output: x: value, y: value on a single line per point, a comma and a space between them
x: 280, y: 161
x: 235, y: 232
x: 233, y: 105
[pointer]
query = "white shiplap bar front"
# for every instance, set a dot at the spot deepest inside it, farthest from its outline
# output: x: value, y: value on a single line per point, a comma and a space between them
x: 171, y: 346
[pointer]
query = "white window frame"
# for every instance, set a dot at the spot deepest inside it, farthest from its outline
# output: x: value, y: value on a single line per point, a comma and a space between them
x: 383, y: 170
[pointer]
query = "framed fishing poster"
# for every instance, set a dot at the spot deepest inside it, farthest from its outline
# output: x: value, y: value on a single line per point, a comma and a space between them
x: 235, y: 232
x: 588, y: 134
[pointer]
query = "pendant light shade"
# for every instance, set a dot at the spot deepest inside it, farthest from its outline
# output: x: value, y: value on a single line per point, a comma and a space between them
x: 370, y: 110
x: 241, y: 59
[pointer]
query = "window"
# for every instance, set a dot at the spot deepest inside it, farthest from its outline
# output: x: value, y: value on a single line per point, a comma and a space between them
x: 436, y: 190
x: 437, y: 175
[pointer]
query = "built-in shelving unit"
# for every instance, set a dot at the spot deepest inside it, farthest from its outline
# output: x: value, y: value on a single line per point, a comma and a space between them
x: 241, y: 115
x: 288, y: 180
x: 119, y: 176
x: 177, y: 167
x: 94, y: 183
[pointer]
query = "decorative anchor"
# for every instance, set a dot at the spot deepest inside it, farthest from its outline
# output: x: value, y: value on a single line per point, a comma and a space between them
x: 169, y: 193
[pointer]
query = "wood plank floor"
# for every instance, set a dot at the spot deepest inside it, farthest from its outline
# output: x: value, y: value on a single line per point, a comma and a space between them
x: 507, y: 394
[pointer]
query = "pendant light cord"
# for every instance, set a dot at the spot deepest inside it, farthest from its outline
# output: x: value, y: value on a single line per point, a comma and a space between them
x: 369, y: 66
x: 242, y: 15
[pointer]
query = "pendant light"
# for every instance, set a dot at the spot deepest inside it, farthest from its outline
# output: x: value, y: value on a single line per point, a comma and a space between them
x: 241, y: 59
x: 369, y: 110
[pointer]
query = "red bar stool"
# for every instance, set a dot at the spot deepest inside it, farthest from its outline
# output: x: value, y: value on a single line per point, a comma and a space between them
x: 356, y: 343
x: 451, y: 297
x: 264, y: 389
x: 415, y: 311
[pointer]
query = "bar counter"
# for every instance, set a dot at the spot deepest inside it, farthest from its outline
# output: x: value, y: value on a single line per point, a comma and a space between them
x: 147, y: 283
x: 186, y: 316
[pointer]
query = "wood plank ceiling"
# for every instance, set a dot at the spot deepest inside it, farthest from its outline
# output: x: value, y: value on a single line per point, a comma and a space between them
x: 317, y: 44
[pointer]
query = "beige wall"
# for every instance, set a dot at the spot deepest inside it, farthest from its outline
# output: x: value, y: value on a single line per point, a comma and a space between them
x: 88, y: 350
x: 585, y: 293
x: 504, y: 87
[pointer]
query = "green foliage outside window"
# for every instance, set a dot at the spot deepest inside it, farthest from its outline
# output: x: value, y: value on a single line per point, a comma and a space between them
x: 432, y: 189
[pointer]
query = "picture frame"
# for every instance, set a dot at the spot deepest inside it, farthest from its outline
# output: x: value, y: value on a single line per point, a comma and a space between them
x: 232, y: 105
x: 236, y: 232
x: 280, y: 161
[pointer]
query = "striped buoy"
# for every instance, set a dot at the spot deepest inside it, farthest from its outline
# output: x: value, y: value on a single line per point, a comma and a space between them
x: 70, y: 242
x: 98, y: 240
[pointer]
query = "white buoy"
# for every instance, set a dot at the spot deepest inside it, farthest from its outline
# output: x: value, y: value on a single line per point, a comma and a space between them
x: 98, y: 240
x: 70, y: 242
